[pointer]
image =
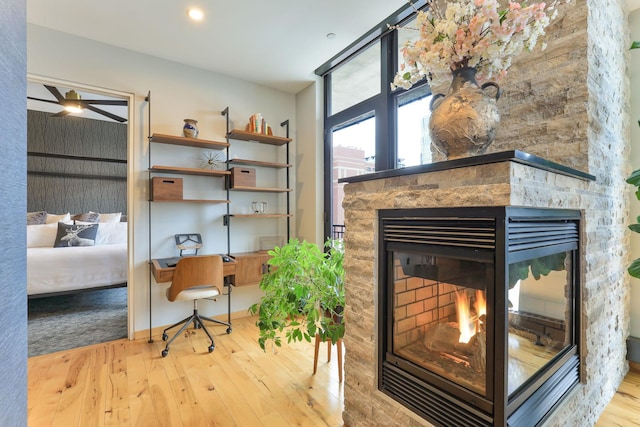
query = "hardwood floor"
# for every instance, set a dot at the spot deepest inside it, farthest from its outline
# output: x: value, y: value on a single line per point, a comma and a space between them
x: 128, y: 383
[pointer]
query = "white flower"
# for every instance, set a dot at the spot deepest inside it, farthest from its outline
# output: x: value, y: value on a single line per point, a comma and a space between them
x: 471, y: 33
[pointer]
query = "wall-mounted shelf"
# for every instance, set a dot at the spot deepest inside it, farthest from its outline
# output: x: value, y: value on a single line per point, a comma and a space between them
x: 188, y: 142
x: 258, y: 137
x: 248, y: 162
x: 188, y: 171
x: 191, y: 201
x: 261, y: 189
x: 261, y: 215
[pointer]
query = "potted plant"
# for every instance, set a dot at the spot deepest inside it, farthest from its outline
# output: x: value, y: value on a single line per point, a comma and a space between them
x: 303, y: 293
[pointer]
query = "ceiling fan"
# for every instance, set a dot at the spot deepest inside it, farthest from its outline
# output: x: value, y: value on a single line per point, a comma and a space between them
x: 73, y: 103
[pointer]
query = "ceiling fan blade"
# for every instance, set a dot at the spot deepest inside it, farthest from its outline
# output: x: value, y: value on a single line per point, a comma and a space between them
x: 60, y: 114
x: 105, y: 113
x: 104, y: 101
x: 55, y: 92
x: 43, y: 100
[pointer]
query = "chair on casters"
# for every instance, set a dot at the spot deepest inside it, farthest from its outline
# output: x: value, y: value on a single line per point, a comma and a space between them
x: 195, y: 277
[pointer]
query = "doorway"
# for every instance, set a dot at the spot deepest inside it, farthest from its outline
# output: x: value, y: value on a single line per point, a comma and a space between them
x: 79, y: 164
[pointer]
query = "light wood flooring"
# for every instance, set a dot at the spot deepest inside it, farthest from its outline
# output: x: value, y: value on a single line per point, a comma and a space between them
x: 128, y: 383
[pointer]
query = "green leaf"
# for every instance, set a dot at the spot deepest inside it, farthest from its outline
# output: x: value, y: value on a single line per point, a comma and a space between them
x: 635, y: 227
x: 635, y: 45
x: 634, y: 178
x: 503, y: 15
x: 634, y: 268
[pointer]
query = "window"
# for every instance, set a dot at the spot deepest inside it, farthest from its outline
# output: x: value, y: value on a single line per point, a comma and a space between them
x: 367, y: 127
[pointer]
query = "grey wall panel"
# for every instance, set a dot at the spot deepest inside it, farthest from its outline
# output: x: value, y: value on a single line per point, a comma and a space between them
x: 59, y: 185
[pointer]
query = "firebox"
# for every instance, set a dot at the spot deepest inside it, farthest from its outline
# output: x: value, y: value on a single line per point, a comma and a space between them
x: 479, y: 312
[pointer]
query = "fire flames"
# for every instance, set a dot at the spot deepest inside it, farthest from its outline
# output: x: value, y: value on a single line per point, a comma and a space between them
x: 468, y: 321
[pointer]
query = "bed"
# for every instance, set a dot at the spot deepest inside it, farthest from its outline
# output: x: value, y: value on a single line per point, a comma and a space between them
x: 61, y: 258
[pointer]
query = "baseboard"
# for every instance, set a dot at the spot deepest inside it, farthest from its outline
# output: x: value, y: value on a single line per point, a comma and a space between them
x: 157, y: 331
x: 633, y: 349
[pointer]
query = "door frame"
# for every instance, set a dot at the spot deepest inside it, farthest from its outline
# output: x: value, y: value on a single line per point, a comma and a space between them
x: 131, y: 161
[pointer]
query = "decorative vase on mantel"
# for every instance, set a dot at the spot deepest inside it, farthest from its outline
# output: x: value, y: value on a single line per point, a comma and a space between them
x: 464, y: 122
x: 190, y: 128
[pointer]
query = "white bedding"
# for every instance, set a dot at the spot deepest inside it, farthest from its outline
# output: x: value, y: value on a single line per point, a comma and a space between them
x: 52, y: 269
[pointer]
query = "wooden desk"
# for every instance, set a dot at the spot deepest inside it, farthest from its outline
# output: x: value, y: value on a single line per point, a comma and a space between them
x: 165, y: 274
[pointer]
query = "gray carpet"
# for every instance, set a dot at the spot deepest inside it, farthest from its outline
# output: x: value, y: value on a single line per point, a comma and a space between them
x: 69, y: 321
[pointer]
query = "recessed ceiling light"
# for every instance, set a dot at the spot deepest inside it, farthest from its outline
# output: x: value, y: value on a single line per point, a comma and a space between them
x: 331, y: 36
x: 195, y: 14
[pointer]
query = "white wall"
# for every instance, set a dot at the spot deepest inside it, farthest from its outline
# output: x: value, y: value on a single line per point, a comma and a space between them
x: 309, y: 164
x: 177, y: 92
x: 634, y: 75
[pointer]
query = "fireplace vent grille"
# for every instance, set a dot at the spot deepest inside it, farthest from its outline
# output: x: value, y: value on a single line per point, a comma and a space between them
x: 421, y: 398
x: 524, y: 235
x: 464, y: 232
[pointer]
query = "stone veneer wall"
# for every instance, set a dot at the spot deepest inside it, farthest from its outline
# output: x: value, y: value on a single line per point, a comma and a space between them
x: 605, y: 313
x: 568, y: 104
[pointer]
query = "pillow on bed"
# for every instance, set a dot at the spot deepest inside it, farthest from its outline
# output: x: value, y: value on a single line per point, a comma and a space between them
x: 41, y: 235
x: 35, y: 218
x: 51, y: 219
x: 75, y: 235
x: 111, y: 233
x: 89, y: 217
x: 109, y: 217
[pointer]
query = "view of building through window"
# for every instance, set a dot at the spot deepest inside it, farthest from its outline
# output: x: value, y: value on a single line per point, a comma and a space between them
x: 354, y: 149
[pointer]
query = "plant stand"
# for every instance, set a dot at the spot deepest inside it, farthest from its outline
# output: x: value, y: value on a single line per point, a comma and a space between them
x: 315, y: 355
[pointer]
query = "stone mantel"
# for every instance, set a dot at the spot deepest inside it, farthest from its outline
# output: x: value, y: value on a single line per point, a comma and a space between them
x: 516, y: 156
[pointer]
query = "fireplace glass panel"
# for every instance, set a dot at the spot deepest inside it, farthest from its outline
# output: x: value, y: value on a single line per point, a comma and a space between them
x: 439, y: 316
x: 540, y: 314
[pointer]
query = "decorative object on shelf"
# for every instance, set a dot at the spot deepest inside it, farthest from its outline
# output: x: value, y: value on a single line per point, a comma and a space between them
x: 464, y: 122
x: 456, y: 35
x: 242, y: 177
x: 211, y: 160
x: 259, y: 207
x: 257, y: 124
x: 190, y: 128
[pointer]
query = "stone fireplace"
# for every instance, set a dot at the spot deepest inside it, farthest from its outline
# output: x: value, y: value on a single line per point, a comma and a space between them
x: 583, y: 337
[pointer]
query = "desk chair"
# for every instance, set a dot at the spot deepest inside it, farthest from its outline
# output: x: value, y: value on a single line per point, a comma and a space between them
x: 195, y: 277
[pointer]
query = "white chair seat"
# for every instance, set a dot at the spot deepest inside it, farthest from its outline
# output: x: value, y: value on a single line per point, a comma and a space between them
x: 195, y: 293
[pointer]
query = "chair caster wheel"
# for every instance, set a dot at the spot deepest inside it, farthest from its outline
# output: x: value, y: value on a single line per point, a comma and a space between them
x: 165, y: 337
x: 211, y: 348
x: 165, y: 352
x: 229, y: 330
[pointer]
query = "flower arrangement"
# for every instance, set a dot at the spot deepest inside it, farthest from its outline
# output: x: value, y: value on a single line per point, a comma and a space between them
x: 470, y: 33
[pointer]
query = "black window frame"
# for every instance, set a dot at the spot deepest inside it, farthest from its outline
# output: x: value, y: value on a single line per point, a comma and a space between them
x: 384, y: 105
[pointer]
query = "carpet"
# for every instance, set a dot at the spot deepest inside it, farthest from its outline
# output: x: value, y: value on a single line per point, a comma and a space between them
x: 69, y: 321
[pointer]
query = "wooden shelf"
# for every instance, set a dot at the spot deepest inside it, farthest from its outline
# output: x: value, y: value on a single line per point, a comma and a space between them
x: 261, y: 189
x: 259, y: 163
x: 261, y: 215
x: 189, y: 171
x: 188, y: 142
x: 193, y: 201
x: 258, y: 137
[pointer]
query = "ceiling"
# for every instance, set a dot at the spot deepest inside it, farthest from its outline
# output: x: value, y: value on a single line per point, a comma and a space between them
x: 276, y: 43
